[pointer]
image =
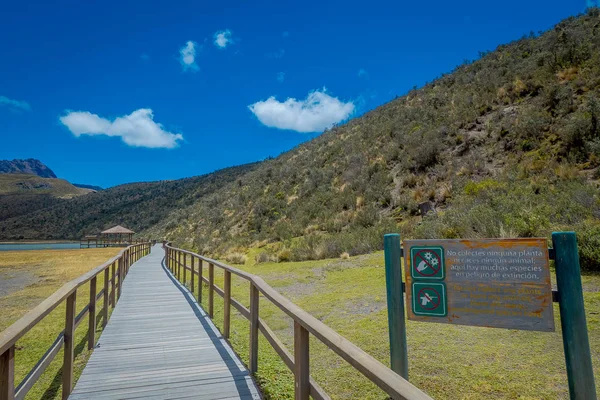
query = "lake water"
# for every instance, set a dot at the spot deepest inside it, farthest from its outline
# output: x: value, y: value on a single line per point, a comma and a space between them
x: 38, y: 246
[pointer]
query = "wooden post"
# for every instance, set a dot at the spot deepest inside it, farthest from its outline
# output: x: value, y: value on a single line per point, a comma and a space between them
x: 211, y: 289
x: 184, y: 268
x: 226, y: 303
x: 113, y: 284
x: 301, y: 363
x: 200, y: 281
x: 120, y: 282
x: 92, y: 315
x: 193, y: 273
x: 7, y: 374
x: 106, y: 298
x: 179, y: 265
x: 253, y: 357
x: 395, y: 305
x: 572, y: 317
x: 69, y: 339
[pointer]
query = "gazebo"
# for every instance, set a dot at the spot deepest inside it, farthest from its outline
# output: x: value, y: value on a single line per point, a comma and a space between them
x: 117, y: 234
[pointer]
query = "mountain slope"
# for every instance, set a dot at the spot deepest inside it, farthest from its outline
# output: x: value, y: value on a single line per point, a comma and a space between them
x: 506, y: 145
x: 137, y: 206
x: 14, y: 183
x: 30, y: 166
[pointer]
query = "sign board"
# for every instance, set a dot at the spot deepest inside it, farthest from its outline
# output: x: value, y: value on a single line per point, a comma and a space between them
x: 502, y: 283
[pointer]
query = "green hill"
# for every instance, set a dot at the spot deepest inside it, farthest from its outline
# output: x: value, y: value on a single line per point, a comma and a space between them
x: 507, y: 145
x: 137, y: 206
x: 14, y: 184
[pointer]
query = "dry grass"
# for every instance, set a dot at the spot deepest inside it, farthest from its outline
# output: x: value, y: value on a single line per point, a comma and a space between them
x: 446, y: 361
x: 50, y: 269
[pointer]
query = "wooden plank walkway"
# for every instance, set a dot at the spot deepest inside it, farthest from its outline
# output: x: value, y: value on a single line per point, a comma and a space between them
x: 159, y: 344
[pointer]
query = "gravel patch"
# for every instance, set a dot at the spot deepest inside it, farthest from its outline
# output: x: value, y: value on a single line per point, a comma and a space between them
x: 13, y: 281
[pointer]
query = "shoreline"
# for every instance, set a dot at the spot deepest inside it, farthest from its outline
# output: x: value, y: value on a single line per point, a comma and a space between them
x: 39, y: 242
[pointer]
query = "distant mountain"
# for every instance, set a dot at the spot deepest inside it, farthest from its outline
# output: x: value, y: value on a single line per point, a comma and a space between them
x: 136, y: 205
x: 30, y: 166
x: 91, y: 187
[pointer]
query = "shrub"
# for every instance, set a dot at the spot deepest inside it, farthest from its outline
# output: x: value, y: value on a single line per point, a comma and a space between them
x: 284, y: 255
x: 345, y: 256
x: 236, y: 258
x: 588, y: 238
x: 262, y: 257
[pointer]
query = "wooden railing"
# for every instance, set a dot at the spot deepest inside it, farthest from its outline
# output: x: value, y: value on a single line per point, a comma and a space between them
x: 304, y: 325
x: 114, y: 271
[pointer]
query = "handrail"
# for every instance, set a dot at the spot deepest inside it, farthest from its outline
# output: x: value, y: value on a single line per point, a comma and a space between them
x: 68, y: 291
x: 304, y: 323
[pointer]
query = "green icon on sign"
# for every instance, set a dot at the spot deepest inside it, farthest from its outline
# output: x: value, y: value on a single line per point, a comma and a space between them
x: 429, y: 299
x: 427, y: 262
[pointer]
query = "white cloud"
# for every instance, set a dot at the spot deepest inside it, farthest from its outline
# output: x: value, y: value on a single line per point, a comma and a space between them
x: 14, y: 104
x: 188, y: 56
x: 280, y: 77
x: 313, y: 114
x: 223, y: 38
x: 137, y: 129
x: 363, y: 74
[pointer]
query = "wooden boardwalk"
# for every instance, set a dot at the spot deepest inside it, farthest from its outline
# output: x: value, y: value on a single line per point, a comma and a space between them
x: 159, y: 344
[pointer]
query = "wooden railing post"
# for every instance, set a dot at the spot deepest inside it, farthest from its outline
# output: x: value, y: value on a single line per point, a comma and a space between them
x: 7, y: 374
x: 120, y: 273
x: 226, y: 303
x: 253, y: 357
x: 92, y: 315
x: 193, y: 260
x: 301, y: 362
x: 113, y: 284
x: 200, y: 281
x: 211, y: 289
x: 69, y: 339
x: 106, y: 298
x: 184, y: 268
x: 179, y: 265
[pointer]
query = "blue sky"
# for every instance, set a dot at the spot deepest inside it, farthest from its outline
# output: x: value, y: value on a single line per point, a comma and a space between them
x: 112, y: 92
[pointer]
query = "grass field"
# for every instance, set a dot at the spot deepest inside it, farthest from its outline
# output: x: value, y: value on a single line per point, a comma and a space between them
x: 446, y: 361
x: 28, y: 277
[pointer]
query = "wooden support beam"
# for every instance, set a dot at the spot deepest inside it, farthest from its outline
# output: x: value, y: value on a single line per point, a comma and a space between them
x: 92, y: 315
x: 200, y: 272
x: 301, y: 362
x: 184, y: 268
x: 7, y: 374
x: 120, y: 282
x: 113, y: 284
x: 69, y: 346
x: 226, y: 303
x: 106, y: 298
x: 211, y: 289
x: 193, y: 259
x: 253, y: 358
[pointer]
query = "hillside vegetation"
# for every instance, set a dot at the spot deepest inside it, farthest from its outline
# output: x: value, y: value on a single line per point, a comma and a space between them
x: 12, y: 184
x: 508, y: 145
x: 137, y: 206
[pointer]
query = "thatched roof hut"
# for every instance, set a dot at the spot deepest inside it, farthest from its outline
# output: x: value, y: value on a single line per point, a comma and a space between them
x: 118, y: 234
